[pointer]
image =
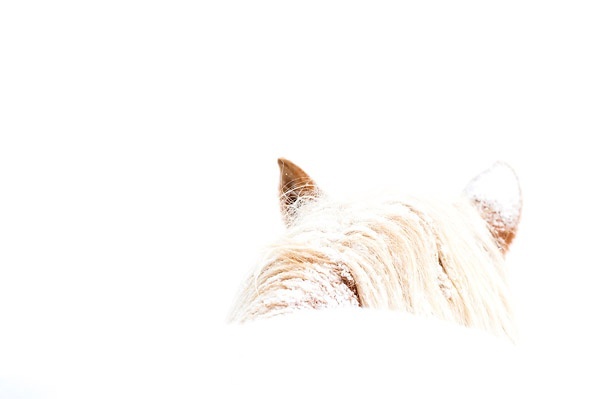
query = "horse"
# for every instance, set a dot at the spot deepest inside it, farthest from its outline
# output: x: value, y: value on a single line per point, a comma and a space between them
x: 432, y: 257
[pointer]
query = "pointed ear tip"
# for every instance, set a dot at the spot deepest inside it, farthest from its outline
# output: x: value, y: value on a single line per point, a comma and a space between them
x: 496, y: 193
x: 282, y: 162
x: 505, y: 165
x: 508, y: 170
x: 499, y: 183
x: 500, y: 170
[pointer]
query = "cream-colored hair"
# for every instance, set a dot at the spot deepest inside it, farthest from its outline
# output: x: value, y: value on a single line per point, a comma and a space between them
x: 423, y: 256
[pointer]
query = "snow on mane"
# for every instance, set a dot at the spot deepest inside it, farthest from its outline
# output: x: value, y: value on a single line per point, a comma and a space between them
x: 417, y: 255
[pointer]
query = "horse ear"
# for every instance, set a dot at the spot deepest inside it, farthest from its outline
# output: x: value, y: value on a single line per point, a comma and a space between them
x: 496, y: 193
x: 295, y: 188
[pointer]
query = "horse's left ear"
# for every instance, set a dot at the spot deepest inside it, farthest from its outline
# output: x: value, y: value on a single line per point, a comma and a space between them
x: 295, y: 188
x: 496, y: 193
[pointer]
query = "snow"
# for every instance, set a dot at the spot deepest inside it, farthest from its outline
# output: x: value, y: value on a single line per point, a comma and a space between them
x: 138, y: 182
x: 499, y: 189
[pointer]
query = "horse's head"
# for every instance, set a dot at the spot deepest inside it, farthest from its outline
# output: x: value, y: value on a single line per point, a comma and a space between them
x: 423, y: 256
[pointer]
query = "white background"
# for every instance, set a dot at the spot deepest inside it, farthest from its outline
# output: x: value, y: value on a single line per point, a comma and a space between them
x: 138, y: 175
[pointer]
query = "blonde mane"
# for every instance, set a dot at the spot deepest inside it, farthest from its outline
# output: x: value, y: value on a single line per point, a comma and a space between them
x: 418, y: 255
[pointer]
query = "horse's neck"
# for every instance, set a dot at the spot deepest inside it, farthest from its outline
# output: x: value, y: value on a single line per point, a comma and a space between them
x: 312, y: 286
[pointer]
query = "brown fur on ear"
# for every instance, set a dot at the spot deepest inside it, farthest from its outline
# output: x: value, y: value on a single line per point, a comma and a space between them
x: 295, y: 187
x: 496, y: 193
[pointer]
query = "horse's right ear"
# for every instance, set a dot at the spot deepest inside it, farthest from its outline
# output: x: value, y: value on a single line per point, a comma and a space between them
x: 295, y: 188
x: 496, y: 194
